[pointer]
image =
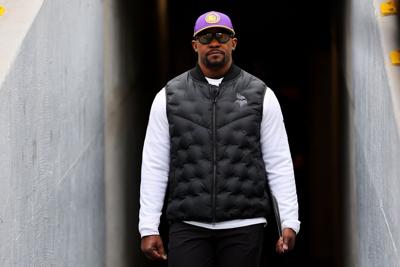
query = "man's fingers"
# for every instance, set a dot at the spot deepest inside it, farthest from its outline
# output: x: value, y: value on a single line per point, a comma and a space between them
x: 161, y: 251
x: 289, y: 237
x: 151, y: 254
x: 279, y: 246
x: 285, y: 246
x: 154, y: 254
x: 153, y: 248
x: 286, y: 242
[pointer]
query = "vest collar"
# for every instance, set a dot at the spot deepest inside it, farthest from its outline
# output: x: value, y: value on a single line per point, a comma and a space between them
x: 233, y: 71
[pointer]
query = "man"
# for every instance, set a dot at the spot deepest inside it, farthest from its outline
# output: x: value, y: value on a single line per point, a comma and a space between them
x: 215, y: 144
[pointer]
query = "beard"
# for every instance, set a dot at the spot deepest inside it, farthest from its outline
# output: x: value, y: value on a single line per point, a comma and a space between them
x: 215, y: 63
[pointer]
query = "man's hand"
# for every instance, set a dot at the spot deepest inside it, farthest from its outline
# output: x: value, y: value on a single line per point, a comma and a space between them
x: 286, y: 241
x: 152, y: 246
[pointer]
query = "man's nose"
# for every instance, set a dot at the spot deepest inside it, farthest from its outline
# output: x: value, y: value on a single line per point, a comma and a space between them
x: 214, y: 43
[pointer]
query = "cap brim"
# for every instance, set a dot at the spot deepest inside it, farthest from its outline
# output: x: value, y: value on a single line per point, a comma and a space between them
x: 214, y: 26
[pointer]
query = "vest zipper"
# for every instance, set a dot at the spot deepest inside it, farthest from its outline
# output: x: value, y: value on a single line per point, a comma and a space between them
x: 214, y: 92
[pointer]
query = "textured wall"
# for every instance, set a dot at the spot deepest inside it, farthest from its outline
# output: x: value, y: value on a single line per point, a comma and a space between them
x: 51, y: 141
x: 374, y: 146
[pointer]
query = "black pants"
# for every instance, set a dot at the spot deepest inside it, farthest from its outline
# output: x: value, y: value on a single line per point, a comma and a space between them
x: 192, y: 246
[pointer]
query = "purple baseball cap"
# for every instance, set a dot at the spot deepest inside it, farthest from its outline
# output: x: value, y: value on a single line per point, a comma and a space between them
x: 213, y: 19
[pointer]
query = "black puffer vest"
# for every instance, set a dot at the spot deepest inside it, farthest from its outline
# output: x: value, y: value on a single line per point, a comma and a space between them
x: 216, y: 168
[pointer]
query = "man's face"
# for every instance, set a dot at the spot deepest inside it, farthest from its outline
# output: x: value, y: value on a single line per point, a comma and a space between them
x: 214, y: 54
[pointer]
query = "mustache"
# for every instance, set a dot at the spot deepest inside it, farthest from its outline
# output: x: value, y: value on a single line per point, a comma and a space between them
x: 212, y: 51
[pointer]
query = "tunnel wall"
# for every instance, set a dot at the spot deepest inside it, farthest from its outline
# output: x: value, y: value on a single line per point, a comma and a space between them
x: 52, y: 134
x: 118, y: 81
x: 371, y: 99
x: 131, y: 81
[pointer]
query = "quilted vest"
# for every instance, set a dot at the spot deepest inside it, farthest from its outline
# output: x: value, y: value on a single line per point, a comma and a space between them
x: 216, y: 168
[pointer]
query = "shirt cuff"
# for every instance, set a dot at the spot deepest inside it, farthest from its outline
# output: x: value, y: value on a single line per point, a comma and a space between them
x: 292, y: 224
x: 148, y: 232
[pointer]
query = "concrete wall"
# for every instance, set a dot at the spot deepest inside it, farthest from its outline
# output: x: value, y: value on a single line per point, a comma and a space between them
x: 373, y: 188
x: 52, y: 135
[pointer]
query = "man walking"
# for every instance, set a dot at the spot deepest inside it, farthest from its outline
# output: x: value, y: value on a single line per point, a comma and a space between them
x: 215, y: 144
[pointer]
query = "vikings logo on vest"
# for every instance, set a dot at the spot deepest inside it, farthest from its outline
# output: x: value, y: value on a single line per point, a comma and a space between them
x: 240, y: 100
x: 212, y: 17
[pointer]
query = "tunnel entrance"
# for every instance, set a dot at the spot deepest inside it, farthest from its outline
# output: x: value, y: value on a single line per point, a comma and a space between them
x: 290, y: 45
x: 293, y: 47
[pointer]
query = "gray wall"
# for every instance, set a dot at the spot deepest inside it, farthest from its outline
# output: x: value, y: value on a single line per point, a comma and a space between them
x: 52, y: 141
x: 373, y: 187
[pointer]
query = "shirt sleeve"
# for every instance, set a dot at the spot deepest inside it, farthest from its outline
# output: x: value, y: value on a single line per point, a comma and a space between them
x: 155, y: 167
x: 278, y: 161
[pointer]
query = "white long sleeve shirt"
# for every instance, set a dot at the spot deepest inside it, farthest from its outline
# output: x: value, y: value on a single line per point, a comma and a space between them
x: 276, y: 156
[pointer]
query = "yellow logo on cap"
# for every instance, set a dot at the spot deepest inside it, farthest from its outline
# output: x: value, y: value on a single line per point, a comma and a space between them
x: 212, y: 18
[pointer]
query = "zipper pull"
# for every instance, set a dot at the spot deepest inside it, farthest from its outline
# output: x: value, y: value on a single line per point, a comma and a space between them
x: 214, y: 90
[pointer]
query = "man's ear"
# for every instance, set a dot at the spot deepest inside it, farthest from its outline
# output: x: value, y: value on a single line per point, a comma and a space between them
x: 194, y: 45
x: 234, y: 43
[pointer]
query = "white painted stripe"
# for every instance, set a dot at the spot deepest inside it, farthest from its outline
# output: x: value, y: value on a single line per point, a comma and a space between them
x: 15, y: 24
